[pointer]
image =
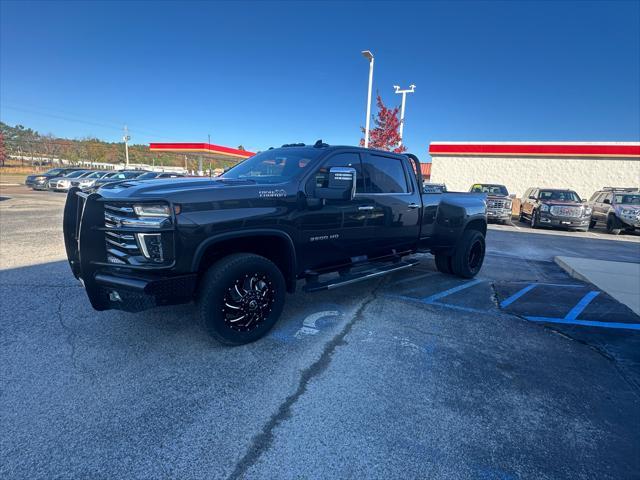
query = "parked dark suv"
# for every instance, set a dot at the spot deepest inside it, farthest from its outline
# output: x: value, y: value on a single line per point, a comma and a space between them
x: 617, y: 208
x: 554, y: 208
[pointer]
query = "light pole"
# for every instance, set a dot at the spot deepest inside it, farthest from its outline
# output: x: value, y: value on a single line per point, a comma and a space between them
x: 367, y: 54
x: 126, y: 139
x: 404, y: 97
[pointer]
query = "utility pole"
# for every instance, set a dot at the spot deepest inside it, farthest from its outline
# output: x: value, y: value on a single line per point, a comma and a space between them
x: 126, y: 139
x: 367, y: 54
x: 404, y: 97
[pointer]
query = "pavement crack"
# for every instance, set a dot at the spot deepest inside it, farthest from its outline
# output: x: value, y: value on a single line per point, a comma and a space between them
x: 263, y: 440
x: 494, y: 295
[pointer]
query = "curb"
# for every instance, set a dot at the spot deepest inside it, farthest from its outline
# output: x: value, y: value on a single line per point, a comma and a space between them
x: 572, y: 273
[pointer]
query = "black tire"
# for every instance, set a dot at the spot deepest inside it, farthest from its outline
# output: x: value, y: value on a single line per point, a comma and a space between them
x: 592, y: 224
x: 535, y: 222
x: 443, y: 263
x: 231, y: 299
x: 469, y: 254
x: 521, y: 216
x: 613, y: 226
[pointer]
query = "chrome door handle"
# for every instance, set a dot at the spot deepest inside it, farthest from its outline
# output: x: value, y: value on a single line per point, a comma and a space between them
x: 413, y: 205
x: 367, y: 208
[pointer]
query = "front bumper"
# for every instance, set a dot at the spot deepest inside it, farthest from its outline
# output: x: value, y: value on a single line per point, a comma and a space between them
x: 630, y: 220
x: 564, y: 222
x: 500, y: 214
x: 111, y: 286
x: 40, y: 185
x: 59, y: 187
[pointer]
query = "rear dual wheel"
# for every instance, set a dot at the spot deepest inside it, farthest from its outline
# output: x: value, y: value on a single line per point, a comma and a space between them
x: 241, y: 298
x: 467, y: 258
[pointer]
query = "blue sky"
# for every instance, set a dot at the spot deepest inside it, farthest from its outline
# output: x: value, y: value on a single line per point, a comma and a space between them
x: 262, y: 74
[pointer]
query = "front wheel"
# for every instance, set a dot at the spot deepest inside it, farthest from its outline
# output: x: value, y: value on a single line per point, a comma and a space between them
x: 241, y: 298
x: 612, y: 225
x: 469, y: 254
x: 534, y: 219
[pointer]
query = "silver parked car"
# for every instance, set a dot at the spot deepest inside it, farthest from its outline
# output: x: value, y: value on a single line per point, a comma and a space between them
x: 616, y: 208
x: 63, y: 183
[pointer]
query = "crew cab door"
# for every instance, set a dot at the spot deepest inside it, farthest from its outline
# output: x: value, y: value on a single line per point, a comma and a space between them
x: 392, y: 201
x: 332, y: 231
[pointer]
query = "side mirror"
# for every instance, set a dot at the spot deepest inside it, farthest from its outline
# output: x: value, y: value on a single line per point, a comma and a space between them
x: 584, y: 200
x: 531, y: 197
x: 342, y: 184
x: 513, y: 195
x: 607, y: 201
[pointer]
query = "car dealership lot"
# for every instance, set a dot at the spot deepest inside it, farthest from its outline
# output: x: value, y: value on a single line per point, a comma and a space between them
x: 414, y: 375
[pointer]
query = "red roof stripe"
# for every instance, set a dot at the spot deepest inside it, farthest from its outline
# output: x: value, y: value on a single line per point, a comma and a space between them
x: 533, y: 149
x: 200, y: 147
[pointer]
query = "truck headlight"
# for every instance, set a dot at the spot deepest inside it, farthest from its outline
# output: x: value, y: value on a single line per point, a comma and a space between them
x: 544, y: 207
x: 587, y: 211
x: 627, y: 211
x: 152, y: 210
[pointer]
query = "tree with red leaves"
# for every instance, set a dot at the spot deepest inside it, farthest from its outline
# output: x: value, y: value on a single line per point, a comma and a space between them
x: 386, y: 133
x: 3, y: 152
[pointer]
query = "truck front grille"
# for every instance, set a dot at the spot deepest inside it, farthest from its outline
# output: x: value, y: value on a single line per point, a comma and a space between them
x: 496, y: 204
x: 566, y: 211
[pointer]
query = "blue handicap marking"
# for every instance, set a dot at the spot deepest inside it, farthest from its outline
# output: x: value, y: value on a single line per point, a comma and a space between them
x: 581, y: 305
x: 508, y: 301
x: 435, y: 297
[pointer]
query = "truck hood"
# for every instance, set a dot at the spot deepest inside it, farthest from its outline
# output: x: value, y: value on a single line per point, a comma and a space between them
x: 170, y: 188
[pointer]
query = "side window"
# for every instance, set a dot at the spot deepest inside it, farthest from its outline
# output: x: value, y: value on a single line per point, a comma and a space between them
x: 608, y: 196
x: 384, y: 174
x: 321, y: 178
x: 596, y: 197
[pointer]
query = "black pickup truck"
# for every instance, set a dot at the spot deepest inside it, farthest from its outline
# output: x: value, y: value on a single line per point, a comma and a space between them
x: 325, y: 214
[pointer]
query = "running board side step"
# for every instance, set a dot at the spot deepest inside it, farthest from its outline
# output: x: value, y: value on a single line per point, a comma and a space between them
x: 371, y: 272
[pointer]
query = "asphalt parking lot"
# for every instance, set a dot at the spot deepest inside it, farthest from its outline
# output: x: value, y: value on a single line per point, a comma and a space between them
x: 522, y: 372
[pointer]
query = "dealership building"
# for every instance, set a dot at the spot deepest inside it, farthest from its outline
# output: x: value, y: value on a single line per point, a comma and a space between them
x: 581, y: 166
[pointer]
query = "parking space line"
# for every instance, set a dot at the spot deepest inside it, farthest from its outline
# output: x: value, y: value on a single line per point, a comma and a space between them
x: 415, y: 277
x: 568, y: 285
x: 446, y: 293
x: 508, y: 301
x: 587, y: 323
x: 581, y: 305
x: 459, y: 307
x: 424, y: 301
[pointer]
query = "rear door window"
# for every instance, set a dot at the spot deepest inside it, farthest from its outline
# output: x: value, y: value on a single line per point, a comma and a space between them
x: 384, y: 175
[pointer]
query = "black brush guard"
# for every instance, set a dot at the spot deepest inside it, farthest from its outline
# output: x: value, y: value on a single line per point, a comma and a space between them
x: 111, y: 286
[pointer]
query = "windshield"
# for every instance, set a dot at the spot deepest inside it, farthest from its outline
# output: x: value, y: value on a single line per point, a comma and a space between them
x: 490, y: 189
x: 559, y: 195
x: 274, y: 166
x: 54, y: 171
x: 147, y: 176
x: 124, y: 175
x: 629, y: 198
x: 75, y: 174
x: 95, y: 175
